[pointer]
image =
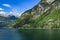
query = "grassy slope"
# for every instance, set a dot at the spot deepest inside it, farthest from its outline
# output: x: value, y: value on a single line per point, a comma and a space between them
x: 54, y: 16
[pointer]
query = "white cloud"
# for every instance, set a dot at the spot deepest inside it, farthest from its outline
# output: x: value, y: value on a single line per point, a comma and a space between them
x: 2, y: 12
x: 15, y: 14
x: 7, y: 5
x: 1, y: 9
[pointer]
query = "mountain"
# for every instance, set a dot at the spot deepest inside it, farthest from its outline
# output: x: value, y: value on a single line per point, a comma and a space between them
x: 46, y: 15
x: 5, y: 20
x: 12, y: 17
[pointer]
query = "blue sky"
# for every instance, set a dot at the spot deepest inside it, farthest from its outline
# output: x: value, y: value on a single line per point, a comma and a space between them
x: 16, y: 7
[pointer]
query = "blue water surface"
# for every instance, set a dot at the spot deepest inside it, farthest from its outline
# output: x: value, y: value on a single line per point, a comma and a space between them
x: 9, y: 34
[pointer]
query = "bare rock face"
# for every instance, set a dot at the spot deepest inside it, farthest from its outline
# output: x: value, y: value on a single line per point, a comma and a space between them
x: 50, y: 1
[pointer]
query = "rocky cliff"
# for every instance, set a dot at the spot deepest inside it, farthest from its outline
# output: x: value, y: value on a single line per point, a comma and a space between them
x: 46, y: 15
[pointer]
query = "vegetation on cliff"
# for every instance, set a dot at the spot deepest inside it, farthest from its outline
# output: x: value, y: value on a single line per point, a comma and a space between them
x: 45, y: 15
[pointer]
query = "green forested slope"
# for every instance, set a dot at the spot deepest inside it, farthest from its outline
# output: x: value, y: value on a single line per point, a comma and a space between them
x: 44, y: 15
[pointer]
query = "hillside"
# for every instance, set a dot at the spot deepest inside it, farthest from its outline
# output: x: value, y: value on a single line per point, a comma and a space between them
x: 46, y: 15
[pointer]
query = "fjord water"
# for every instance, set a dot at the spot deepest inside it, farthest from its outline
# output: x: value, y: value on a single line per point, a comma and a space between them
x: 41, y: 34
x: 29, y: 34
x: 9, y: 34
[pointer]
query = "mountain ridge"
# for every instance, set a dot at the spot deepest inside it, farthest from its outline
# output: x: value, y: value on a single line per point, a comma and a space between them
x: 44, y: 15
x: 5, y: 20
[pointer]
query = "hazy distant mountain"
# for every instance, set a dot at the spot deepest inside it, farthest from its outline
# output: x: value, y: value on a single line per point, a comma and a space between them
x: 5, y: 20
x: 46, y: 15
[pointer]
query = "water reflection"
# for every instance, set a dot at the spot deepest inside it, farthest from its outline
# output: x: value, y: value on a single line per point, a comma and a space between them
x: 40, y: 34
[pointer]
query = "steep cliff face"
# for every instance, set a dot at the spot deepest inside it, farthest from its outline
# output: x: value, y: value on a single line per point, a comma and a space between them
x: 45, y: 14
